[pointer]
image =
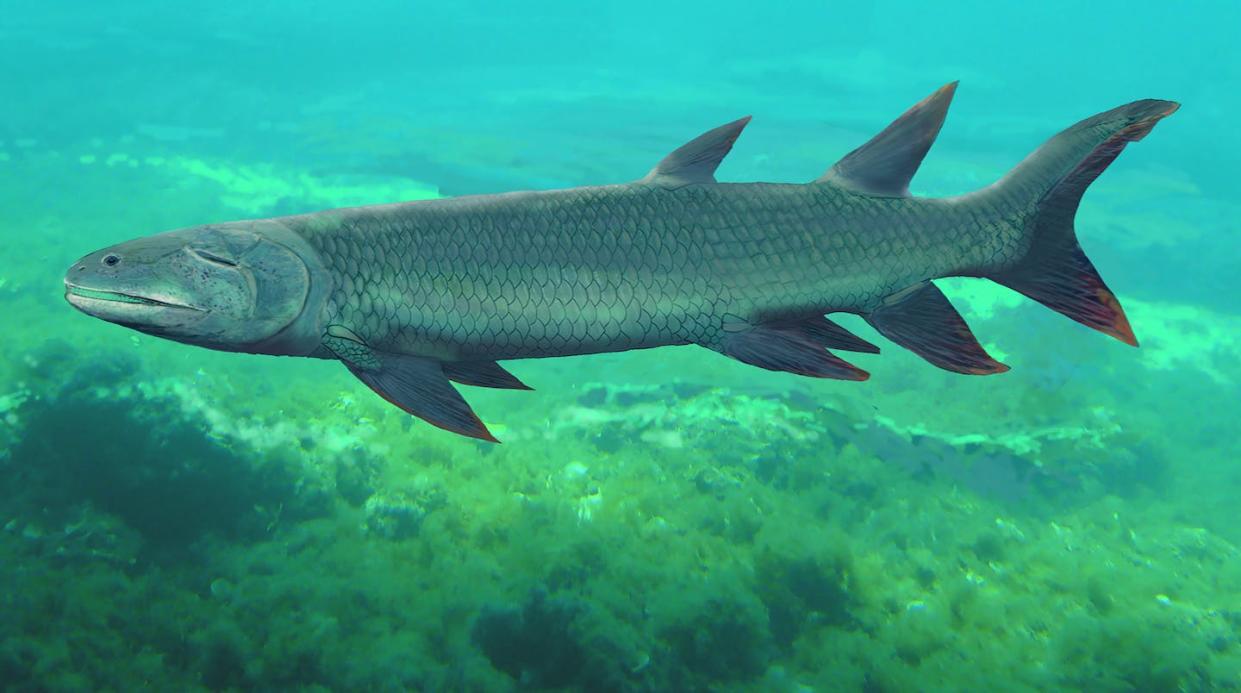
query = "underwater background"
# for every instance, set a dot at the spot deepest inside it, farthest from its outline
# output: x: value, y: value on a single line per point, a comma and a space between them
x: 173, y: 518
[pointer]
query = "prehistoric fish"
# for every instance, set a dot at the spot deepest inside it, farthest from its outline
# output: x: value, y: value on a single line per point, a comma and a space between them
x: 413, y: 296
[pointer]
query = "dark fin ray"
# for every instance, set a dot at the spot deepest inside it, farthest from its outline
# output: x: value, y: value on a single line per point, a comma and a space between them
x: 1060, y: 170
x: 1062, y: 278
x: 922, y: 320
x: 418, y: 386
x: 786, y: 350
x: 885, y: 165
x: 828, y: 334
x: 696, y: 160
x: 415, y: 384
x: 1056, y: 271
x: 482, y: 374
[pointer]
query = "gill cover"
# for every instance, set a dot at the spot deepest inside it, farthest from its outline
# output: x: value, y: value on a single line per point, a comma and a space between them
x: 236, y: 287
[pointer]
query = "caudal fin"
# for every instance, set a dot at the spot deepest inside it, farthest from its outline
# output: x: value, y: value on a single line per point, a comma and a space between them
x: 1055, y: 271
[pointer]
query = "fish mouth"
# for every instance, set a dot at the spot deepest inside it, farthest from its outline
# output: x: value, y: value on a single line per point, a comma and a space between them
x: 81, y: 297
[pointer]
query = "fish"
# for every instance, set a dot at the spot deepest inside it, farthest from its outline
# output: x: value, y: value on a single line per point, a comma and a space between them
x: 413, y: 297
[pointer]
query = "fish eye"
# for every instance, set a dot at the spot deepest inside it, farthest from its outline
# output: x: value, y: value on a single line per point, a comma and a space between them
x: 213, y: 258
x: 111, y: 260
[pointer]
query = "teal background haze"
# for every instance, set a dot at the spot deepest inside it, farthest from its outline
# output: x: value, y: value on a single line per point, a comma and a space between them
x: 178, y: 519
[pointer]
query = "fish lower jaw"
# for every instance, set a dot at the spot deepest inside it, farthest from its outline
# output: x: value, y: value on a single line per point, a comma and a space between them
x: 82, y: 297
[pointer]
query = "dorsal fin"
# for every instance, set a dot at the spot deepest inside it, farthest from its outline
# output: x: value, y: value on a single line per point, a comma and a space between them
x: 884, y: 165
x: 696, y: 160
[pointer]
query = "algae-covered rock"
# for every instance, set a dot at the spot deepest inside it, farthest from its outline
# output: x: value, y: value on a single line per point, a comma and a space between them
x: 224, y: 650
x: 1150, y: 651
x: 18, y: 657
x: 533, y: 643
x: 556, y: 641
x: 724, y: 641
x: 159, y: 467
x: 806, y: 584
x: 355, y: 478
x: 398, y: 514
x: 393, y: 516
x: 714, y: 632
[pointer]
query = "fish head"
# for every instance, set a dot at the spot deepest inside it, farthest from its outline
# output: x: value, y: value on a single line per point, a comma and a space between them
x: 240, y: 286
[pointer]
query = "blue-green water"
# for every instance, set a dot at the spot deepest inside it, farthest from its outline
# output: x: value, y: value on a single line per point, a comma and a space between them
x: 179, y: 519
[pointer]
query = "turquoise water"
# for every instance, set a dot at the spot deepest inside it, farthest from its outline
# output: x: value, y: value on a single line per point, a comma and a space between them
x: 180, y: 519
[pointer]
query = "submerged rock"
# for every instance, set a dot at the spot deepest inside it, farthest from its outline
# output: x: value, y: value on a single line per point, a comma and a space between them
x: 556, y: 642
x: 719, y: 638
x: 533, y: 643
x: 398, y: 515
x: 106, y: 441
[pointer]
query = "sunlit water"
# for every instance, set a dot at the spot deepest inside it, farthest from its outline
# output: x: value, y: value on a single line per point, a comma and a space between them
x: 180, y: 519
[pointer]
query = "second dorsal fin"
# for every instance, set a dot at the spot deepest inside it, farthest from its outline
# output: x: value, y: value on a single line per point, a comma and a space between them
x: 696, y: 160
x: 885, y: 165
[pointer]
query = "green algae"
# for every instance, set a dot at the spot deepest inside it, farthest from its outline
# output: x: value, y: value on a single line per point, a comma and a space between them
x: 691, y: 569
x: 668, y: 520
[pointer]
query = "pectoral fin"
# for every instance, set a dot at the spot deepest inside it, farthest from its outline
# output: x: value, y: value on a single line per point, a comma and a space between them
x: 417, y: 385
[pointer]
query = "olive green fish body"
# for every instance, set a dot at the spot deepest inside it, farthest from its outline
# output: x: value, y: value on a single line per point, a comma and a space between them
x: 416, y: 295
x: 608, y: 268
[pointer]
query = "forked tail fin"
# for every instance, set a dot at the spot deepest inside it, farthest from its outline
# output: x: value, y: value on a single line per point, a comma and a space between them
x: 1055, y: 271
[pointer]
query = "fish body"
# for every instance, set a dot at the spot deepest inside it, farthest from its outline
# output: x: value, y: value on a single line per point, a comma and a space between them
x: 609, y: 268
x: 411, y: 296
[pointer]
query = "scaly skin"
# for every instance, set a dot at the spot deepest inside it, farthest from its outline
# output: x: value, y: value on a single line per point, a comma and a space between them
x: 619, y: 267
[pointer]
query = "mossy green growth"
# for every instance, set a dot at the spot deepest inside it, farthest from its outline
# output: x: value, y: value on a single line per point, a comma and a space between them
x: 1150, y: 649
x: 691, y: 523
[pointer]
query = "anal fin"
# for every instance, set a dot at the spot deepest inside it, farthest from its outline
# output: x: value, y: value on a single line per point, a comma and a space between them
x: 784, y: 348
x: 482, y: 374
x: 921, y: 319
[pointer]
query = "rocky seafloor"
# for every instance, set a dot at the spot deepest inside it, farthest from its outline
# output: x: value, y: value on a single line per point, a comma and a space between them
x: 176, y: 519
